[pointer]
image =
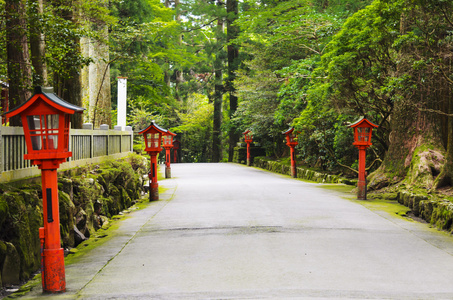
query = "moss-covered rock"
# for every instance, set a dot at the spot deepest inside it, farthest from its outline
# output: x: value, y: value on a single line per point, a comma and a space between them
x: 67, y: 213
x: 21, y: 226
x: 3, y: 210
x: 425, y: 165
x: 3, y: 249
x: 10, y: 271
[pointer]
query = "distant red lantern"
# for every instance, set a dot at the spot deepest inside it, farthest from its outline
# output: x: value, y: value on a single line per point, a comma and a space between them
x: 248, y: 138
x: 45, y: 119
x: 291, y: 141
x: 176, y: 146
x: 168, y: 144
x: 362, y: 140
x: 153, y: 139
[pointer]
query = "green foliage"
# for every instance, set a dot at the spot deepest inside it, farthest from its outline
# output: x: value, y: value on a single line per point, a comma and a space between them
x: 195, y: 128
x: 143, y: 37
x: 285, y: 42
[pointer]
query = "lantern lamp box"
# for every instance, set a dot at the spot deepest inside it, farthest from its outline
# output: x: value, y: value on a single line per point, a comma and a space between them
x: 248, y: 136
x: 46, y: 121
x: 168, y: 139
x: 362, y: 132
x: 153, y: 137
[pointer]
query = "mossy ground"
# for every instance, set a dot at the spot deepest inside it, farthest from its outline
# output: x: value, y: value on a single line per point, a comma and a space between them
x: 342, y: 188
x: 375, y: 202
x: 391, y: 207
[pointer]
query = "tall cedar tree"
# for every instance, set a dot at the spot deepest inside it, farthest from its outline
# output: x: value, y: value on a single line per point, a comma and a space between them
x: 18, y: 58
x: 233, y: 65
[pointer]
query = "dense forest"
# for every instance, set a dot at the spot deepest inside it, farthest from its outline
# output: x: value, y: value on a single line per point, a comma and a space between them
x: 210, y: 69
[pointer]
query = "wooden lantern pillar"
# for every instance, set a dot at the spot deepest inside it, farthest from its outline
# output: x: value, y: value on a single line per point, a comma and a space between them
x: 153, y: 139
x: 168, y: 144
x: 362, y: 140
x: 291, y: 142
x: 248, y: 138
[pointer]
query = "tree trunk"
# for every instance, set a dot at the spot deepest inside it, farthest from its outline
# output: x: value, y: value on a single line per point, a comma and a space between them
x: 218, y: 95
x: 445, y: 177
x: 179, y: 72
x: 416, y: 151
x: 69, y: 86
x: 217, y: 122
x: 37, y: 44
x: 233, y: 53
x: 99, y: 81
x: 415, y: 154
x: 18, y: 57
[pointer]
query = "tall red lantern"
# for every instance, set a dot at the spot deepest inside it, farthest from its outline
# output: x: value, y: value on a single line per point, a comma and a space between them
x: 248, y: 138
x: 291, y: 142
x: 168, y: 144
x: 362, y: 140
x: 45, y: 119
x: 153, y: 139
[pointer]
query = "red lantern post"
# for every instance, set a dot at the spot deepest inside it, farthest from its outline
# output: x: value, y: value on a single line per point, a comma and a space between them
x: 248, y: 137
x: 176, y: 145
x: 292, y: 143
x: 45, y: 119
x: 168, y: 144
x: 362, y: 140
x: 153, y: 139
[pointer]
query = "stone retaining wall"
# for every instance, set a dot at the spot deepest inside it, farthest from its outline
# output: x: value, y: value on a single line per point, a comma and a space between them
x: 438, y: 212
x: 278, y: 167
x: 88, y: 196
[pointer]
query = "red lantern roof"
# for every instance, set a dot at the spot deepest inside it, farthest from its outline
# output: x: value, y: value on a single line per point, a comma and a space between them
x: 45, y: 119
x: 363, y: 123
x: 170, y: 133
x: 168, y: 139
x: 153, y: 128
x: 153, y: 137
x: 289, y: 131
x: 248, y: 137
x: 290, y: 137
x: 42, y: 99
x: 362, y: 132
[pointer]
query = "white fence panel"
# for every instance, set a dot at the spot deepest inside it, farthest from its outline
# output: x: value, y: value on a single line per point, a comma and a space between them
x: 87, y: 146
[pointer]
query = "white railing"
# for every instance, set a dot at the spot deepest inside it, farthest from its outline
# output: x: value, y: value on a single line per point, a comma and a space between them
x: 87, y: 146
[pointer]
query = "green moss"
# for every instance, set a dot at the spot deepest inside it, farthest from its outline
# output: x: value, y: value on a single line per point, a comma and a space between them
x: 102, y: 236
x: 4, y: 211
x: 342, y: 188
x: 35, y: 282
x: 303, y: 173
x: 389, y: 206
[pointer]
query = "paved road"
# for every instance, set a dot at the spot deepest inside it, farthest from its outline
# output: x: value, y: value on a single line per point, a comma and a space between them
x: 226, y: 231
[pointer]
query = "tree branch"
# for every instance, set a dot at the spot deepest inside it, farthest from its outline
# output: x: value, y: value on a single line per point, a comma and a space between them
x: 201, y: 26
x: 335, y: 158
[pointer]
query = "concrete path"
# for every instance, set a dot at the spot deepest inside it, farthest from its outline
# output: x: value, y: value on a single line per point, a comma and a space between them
x: 226, y: 231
